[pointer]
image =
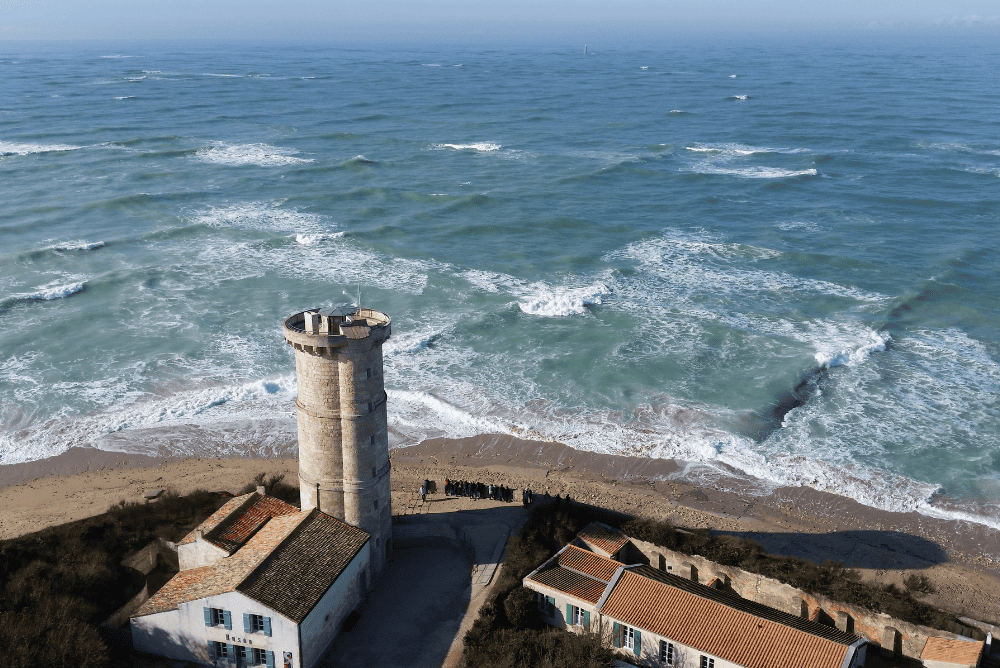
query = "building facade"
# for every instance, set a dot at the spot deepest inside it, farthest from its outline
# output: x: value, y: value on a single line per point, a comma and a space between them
x: 341, y: 409
x: 654, y: 617
x: 261, y: 584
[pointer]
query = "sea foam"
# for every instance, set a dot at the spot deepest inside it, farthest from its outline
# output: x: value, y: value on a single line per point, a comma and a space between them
x: 240, y: 155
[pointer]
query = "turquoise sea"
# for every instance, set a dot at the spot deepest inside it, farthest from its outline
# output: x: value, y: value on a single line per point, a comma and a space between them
x: 776, y: 259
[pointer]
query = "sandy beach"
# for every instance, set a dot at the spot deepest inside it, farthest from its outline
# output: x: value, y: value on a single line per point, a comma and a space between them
x: 958, y: 557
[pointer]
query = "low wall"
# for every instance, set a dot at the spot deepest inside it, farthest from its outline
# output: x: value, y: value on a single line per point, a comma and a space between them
x: 145, y: 559
x: 123, y: 613
x: 870, y: 625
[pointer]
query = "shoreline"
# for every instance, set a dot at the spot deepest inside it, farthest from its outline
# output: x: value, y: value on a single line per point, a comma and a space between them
x: 960, y: 557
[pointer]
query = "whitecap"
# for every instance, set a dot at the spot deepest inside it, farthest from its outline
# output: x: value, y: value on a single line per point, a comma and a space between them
x: 854, y: 355
x: 239, y: 155
x: 739, y: 97
x: 477, y: 146
x: 77, y: 245
x: 313, y: 239
x: 16, y: 148
x: 261, y: 216
x: 756, y: 172
x: 53, y: 290
x: 125, y: 97
x: 555, y: 302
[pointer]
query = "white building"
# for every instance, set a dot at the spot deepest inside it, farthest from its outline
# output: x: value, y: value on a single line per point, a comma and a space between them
x: 261, y: 583
x: 660, y: 618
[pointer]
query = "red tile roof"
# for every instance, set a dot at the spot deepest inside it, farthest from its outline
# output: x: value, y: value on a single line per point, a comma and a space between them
x: 241, y: 519
x: 571, y: 583
x: 588, y: 563
x: 948, y: 650
x: 714, y: 624
x: 603, y: 537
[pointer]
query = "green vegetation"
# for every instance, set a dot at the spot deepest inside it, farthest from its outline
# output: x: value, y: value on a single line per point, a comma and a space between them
x: 510, y: 632
x: 57, y: 585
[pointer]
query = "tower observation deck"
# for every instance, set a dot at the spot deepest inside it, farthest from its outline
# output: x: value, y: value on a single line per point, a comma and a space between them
x: 343, y: 434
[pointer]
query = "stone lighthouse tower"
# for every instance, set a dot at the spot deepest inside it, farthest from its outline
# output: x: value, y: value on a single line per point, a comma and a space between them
x: 343, y: 435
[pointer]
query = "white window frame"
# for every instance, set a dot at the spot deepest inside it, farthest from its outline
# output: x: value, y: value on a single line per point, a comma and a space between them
x: 577, y: 616
x: 218, y: 616
x: 628, y: 637
x: 667, y: 653
x: 707, y: 662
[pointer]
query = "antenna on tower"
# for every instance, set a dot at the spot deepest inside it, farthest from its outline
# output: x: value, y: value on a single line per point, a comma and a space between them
x: 359, y: 296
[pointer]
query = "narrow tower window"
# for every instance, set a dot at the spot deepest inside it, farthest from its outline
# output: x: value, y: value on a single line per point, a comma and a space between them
x: 368, y: 374
x: 373, y: 472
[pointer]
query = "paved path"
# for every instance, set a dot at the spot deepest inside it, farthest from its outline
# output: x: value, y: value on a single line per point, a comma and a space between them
x: 446, y: 556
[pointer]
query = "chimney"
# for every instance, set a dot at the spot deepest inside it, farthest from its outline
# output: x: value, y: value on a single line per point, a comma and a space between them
x: 199, y: 534
x: 261, y: 490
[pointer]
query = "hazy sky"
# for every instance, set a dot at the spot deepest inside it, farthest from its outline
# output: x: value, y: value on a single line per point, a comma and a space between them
x: 531, y: 21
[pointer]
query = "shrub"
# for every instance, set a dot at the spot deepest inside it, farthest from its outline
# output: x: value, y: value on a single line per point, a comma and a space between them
x: 919, y: 583
x: 522, y: 609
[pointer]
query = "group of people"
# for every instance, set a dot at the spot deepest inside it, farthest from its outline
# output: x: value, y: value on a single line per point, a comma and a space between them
x: 479, y: 490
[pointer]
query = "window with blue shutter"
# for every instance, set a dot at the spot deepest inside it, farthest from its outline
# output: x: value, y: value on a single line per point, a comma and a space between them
x: 228, y: 620
x: 267, y: 626
x: 616, y: 633
x: 586, y: 618
x: 637, y: 646
x: 246, y: 622
x: 208, y: 617
x: 230, y: 650
x: 270, y: 659
x: 211, y: 648
x: 569, y: 613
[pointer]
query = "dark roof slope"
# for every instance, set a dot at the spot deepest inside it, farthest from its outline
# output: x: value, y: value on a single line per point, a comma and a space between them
x: 294, y: 577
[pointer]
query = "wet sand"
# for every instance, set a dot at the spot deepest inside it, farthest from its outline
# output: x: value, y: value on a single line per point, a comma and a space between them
x: 961, y: 559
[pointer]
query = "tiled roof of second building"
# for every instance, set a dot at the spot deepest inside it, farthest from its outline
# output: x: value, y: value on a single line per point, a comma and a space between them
x: 723, y: 625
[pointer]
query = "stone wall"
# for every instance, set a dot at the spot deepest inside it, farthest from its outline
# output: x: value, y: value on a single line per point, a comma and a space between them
x: 879, y: 629
x: 145, y: 559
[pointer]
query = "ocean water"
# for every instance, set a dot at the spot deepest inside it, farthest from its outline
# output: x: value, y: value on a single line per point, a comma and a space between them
x: 776, y: 261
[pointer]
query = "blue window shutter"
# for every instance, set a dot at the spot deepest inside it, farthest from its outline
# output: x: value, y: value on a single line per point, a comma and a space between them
x: 246, y: 622
x: 267, y: 626
x: 552, y: 606
x: 227, y: 618
x: 616, y: 634
x: 208, y: 616
x: 638, y: 643
x: 270, y: 659
x: 569, y: 613
x: 231, y: 650
x: 586, y: 618
x: 211, y: 648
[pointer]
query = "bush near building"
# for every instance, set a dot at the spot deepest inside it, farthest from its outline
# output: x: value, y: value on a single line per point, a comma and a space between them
x: 58, y: 584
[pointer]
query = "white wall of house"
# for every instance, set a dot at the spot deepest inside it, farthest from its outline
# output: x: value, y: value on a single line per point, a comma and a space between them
x: 199, y: 553
x: 182, y: 633
x: 649, y: 648
x: 562, y: 599
x: 320, y: 627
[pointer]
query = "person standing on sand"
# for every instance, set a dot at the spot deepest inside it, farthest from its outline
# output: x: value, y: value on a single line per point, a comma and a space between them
x: 423, y: 493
